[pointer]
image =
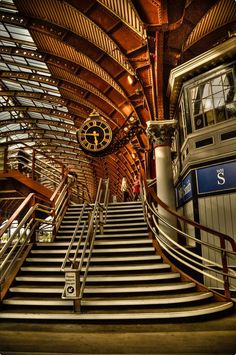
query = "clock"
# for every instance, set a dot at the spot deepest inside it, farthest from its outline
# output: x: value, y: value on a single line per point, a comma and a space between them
x: 95, y: 134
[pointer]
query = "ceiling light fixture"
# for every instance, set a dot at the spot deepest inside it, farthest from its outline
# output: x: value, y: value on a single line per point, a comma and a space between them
x: 130, y: 80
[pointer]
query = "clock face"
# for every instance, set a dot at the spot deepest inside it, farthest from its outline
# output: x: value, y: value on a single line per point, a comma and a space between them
x: 94, y: 135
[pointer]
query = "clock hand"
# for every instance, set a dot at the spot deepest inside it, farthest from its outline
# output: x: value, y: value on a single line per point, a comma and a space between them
x: 90, y: 134
x: 95, y: 134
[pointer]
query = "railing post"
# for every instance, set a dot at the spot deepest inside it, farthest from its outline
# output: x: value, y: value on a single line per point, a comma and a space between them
x: 5, y: 159
x: 72, y: 286
x: 33, y: 165
x: 32, y: 203
x: 101, y: 221
x: 225, y: 268
x: 91, y: 227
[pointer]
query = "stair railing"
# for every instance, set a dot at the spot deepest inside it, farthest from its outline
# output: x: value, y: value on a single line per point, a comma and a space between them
x: 74, y: 282
x: 60, y: 200
x: 218, y: 269
x: 41, y: 168
x: 21, y: 238
x: 35, y: 164
x: 36, y: 216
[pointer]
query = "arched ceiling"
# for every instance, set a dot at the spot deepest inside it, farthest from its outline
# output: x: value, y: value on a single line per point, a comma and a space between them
x: 62, y: 59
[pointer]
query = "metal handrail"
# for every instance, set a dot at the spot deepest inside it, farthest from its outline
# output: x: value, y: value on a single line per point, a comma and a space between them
x: 67, y: 256
x: 96, y: 220
x: 40, y: 170
x: 106, y: 199
x: 22, y: 236
x: 184, y: 255
x: 29, y: 224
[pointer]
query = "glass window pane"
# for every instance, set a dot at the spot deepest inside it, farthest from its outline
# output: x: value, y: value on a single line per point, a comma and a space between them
x: 219, y: 99
x: 231, y: 110
x: 216, y: 85
x: 209, y: 117
x: 193, y: 93
x: 197, y: 107
x: 205, y: 90
x: 228, y: 86
x: 207, y: 104
x: 220, y: 114
x: 199, y: 121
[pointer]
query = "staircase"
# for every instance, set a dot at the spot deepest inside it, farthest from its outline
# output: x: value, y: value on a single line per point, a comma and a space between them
x: 126, y: 279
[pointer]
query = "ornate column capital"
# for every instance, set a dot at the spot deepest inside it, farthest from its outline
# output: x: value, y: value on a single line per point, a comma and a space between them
x: 161, y: 132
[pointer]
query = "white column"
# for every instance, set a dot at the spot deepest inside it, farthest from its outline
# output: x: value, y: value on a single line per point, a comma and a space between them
x: 165, y: 188
x: 161, y: 134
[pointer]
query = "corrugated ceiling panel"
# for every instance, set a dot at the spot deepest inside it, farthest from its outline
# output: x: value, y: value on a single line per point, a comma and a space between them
x: 53, y: 46
x: 126, y: 13
x: 75, y: 21
x: 221, y: 13
x: 61, y: 74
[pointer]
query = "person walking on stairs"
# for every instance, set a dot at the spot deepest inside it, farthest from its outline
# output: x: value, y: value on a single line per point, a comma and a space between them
x: 124, y: 189
x: 136, y: 188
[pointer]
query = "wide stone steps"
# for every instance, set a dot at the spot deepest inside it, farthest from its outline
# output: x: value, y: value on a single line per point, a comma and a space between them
x: 108, y: 289
x: 96, y: 251
x: 104, y: 278
x: 126, y: 280
x: 110, y: 226
x: 107, y: 259
x: 118, y: 236
x: 67, y: 233
x: 153, y: 314
x: 109, y: 268
x: 127, y: 242
x: 104, y: 302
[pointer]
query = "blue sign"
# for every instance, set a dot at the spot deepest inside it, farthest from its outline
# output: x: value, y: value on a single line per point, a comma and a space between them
x: 184, y: 190
x: 216, y: 178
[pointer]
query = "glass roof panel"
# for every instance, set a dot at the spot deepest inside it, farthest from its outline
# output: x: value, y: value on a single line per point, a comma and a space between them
x: 25, y: 102
x: 3, y: 66
x: 5, y: 115
x: 3, y: 31
x: 19, y: 33
x: 7, y: 43
x: 11, y: 85
x: 13, y: 35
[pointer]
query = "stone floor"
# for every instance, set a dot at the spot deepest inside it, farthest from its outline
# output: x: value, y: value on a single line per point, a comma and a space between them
x: 211, y: 336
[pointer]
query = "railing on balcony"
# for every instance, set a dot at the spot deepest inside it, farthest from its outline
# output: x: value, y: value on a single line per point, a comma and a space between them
x: 39, y: 167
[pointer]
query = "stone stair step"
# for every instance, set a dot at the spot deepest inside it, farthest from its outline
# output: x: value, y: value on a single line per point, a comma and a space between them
x: 109, y: 268
x: 173, y: 313
x: 104, y: 278
x: 121, y: 301
x: 146, y: 288
x: 104, y: 260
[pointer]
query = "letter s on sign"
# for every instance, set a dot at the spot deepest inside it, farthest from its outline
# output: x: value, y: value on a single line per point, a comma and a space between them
x: 220, y: 177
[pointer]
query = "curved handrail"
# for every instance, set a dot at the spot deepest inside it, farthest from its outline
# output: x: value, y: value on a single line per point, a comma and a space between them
x: 182, y: 254
x: 187, y: 220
